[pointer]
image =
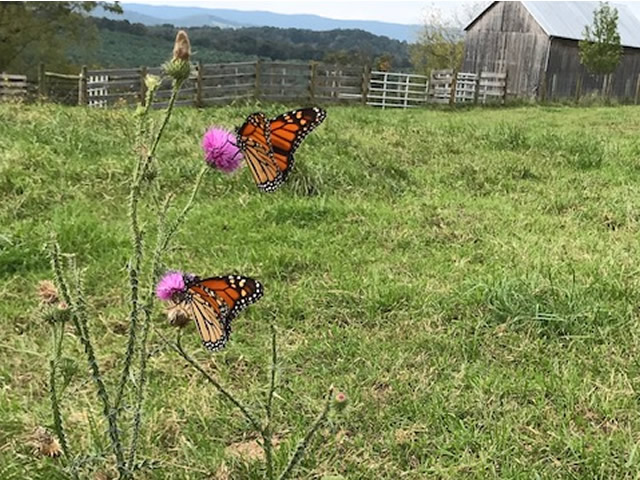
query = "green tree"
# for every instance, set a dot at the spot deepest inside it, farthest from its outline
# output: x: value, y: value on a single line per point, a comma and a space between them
x: 600, y: 51
x: 440, y: 44
x: 33, y: 32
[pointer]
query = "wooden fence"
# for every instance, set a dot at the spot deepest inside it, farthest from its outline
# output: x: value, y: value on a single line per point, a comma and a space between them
x: 13, y: 86
x: 289, y: 82
x: 451, y: 87
x: 216, y: 84
x: 403, y: 90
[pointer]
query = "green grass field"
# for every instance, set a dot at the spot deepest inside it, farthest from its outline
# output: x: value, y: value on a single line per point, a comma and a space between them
x: 470, y: 279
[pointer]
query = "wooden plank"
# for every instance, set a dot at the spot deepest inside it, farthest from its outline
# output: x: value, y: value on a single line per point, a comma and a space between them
x: 82, y: 86
x: 13, y: 84
x: 351, y: 71
x: 178, y: 103
x: 113, y: 96
x: 421, y: 85
x: 118, y: 72
x: 62, y: 76
x: 295, y: 93
x: 493, y: 75
x: 133, y: 83
x: 225, y: 69
x: 224, y: 88
x: 380, y: 97
x: 231, y: 64
x: 12, y: 76
x: 270, y: 75
x: 12, y: 93
x: 397, y: 90
x: 352, y: 89
x: 223, y: 100
x: 283, y: 97
x: 208, y: 77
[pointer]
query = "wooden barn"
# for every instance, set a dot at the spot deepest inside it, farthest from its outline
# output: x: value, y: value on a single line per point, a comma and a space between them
x: 536, y: 44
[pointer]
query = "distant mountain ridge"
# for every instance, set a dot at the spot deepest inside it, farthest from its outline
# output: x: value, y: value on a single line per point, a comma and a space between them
x: 226, y: 18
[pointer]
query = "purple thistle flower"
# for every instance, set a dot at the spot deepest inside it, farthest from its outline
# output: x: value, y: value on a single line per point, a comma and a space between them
x: 169, y: 285
x: 220, y: 150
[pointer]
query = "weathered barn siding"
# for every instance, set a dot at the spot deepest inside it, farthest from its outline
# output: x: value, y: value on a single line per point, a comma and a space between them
x: 564, y: 63
x: 506, y: 38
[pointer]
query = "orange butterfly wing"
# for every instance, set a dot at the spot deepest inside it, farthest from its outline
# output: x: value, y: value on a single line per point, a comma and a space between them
x: 209, y: 312
x: 253, y: 139
x: 215, y: 301
x: 236, y: 291
x: 287, y: 132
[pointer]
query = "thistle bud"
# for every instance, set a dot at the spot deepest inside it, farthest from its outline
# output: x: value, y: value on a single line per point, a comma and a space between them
x: 152, y: 82
x: 45, y: 444
x: 177, y: 316
x: 179, y: 67
x: 48, y: 292
x: 181, y: 47
x: 340, y: 402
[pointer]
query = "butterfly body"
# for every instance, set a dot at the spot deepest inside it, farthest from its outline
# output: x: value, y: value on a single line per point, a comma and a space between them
x: 269, y: 145
x: 214, y: 302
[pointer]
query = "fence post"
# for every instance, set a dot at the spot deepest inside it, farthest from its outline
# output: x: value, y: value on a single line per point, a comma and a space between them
x: 199, y: 80
x: 506, y: 81
x: 476, y: 92
x: 42, y: 81
x: 257, y: 85
x: 385, y: 77
x: 366, y: 80
x: 454, y: 83
x: 637, y: 97
x: 426, y: 90
x: 406, y: 92
x: 143, y: 86
x: 312, y: 80
x: 554, y: 78
x: 82, y: 86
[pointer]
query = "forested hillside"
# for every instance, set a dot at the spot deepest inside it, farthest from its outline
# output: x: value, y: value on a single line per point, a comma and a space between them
x: 125, y: 44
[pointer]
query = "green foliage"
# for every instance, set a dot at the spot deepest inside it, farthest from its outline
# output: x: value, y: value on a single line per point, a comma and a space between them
x: 116, y: 49
x: 33, y: 32
x: 436, y: 49
x: 271, y: 42
x: 600, y: 51
x: 441, y: 41
x: 468, y: 278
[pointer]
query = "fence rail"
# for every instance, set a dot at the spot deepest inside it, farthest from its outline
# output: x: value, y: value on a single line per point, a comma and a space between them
x: 13, y: 86
x: 223, y: 83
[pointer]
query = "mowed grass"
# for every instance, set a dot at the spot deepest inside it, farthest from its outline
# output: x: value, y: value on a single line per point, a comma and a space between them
x: 469, y: 278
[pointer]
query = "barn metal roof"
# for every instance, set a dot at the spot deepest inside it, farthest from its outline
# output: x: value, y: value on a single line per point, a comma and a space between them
x: 568, y: 19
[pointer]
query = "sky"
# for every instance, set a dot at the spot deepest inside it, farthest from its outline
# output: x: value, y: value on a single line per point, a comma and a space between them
x: 407, y: 12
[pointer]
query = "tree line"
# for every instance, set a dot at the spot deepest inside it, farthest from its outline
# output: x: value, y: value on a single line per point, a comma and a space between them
x: 338, y: 46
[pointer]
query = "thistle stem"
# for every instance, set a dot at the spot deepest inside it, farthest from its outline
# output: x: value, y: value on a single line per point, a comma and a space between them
x: 57, y: 336
x: 177, y: 221
x: 142, y: 165
x: 304, y: 443
x: 267, y: 434
x: 164, y: 237
x: 79, y: 319
x: 147, y: 307
x: 147, y: 311
x: 250, y: 418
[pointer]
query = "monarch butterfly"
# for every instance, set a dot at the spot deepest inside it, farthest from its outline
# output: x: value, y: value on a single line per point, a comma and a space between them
x: 213, y: 302
x: 269, y: 145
